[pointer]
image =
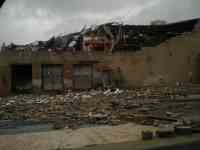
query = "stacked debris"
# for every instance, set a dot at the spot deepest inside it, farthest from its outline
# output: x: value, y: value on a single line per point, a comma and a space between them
x: 110, y: 107
x: 136, y: 37
x: 68, y: 42
x: 111, y: 37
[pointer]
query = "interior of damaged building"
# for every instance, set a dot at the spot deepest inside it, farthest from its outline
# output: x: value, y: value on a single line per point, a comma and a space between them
x: 103, y: 84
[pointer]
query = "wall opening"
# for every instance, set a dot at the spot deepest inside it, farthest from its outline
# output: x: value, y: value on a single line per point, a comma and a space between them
x: 21, y: 78
x: 52, y: 77
x: 83, y: 76
x: 106, y: 78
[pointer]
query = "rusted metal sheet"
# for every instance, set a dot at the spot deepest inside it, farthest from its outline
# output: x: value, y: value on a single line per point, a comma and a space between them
x: 52, y: 77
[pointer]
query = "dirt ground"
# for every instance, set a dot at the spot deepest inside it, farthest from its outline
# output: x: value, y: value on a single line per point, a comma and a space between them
x: 67, y: 138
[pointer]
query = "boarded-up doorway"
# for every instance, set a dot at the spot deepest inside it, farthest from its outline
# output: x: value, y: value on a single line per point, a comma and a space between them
x: 52, y: 77
x: 82, y: 76
x: 21, y: 75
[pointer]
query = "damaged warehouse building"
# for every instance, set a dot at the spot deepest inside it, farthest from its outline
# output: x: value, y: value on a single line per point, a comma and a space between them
x: 107, y: 55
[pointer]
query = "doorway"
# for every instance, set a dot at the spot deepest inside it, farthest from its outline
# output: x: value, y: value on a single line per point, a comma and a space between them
x: 21, y: 78
x: 52, y: 77
x: 82, y: 76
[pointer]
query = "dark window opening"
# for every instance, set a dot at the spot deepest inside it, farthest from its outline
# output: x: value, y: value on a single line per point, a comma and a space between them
x: 21, y: 78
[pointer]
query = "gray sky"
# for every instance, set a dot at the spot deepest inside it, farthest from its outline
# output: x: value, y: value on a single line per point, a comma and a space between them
x: 24, y: 21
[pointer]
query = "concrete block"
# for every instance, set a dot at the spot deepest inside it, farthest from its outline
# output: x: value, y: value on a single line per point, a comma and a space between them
x: 165, y: 132
x: 147, y: 135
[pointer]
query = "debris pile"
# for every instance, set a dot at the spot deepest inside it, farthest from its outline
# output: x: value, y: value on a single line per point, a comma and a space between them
x: 110, y: 37
x: 96, y: 107
x: 68, y: 42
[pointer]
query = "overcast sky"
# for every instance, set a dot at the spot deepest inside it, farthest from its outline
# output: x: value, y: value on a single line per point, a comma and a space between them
x: 24, y: 21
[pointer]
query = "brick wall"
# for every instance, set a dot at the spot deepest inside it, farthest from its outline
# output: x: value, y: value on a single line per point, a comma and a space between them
x: 172, y: 61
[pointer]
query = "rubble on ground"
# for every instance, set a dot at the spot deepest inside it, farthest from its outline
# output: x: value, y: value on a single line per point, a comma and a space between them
x: 147, y: 106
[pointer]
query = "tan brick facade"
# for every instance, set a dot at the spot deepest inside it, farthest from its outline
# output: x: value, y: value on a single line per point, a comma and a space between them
x: 176, y: 60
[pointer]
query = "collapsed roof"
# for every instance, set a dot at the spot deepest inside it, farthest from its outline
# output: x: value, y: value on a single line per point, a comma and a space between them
x: 134, y: 37
x: 122, y: 37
